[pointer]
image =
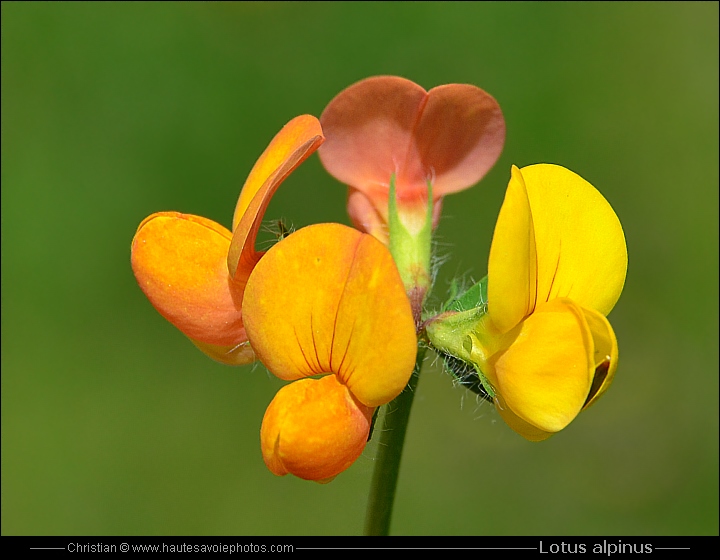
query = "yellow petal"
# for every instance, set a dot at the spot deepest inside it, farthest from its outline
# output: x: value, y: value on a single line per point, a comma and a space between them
x: 606, y: 354
x: 517, y: 424
x: 545, y: 373
x: 314, y: 429
x: 330, y: 299
x: 512, y: 273
x: 291, y: 146
x: 179, y: 262
x: 581, y: 251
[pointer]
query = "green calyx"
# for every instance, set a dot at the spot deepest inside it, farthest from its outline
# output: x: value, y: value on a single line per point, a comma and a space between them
x: 411, y: 250
x: 459, y: 336
x: 473, y: 298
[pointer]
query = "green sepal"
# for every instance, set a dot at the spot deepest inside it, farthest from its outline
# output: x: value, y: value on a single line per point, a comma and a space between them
x: 469, y: 376
x: 458, y: 335
x: 410, y: 251
x: 475, y: 296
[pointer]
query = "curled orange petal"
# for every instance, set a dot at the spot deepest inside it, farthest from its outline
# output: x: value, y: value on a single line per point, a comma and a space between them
x: 179, y: 262
x: 330, y: 299
x: 297, y: 140
x: 314, y: 429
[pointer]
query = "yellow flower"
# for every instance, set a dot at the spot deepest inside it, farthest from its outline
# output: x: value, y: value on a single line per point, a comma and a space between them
x: 557, y: 267
x: 327, y: 301
x: 194, y: 271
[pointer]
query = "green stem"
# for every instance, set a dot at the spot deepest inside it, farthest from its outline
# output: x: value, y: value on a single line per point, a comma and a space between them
x: 387, y: 462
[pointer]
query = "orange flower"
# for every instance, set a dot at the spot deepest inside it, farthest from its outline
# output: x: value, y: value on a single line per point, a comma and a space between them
x: 449, y: 136
x: 327, y: 301
x: 194, y: 271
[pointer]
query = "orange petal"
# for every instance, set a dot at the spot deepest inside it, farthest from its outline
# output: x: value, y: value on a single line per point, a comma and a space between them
x: 179, y: 262
x: 297, y: 140
x: 330, y: 299
x: 451, y: 135
x: 237, y: 355
x: 545, y: 374
x: 314, y: 429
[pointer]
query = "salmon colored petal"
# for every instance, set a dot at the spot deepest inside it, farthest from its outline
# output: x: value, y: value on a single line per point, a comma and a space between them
x: 458, y: 138
x: 544, y: 375
x: 581, y: 251
x: 450, y: 135
x: 314, y: 429
x: 330, y: 299
x: 512, y: 272
x: 179, y: 262
x: 606, y: 354
x: 517, y: 424
x: 370, y: 214
x: 291, y: 146
x: 367, y: 217
x: 369, y: 127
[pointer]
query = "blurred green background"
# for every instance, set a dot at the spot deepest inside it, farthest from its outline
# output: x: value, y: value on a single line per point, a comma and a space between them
x: 113, y: 423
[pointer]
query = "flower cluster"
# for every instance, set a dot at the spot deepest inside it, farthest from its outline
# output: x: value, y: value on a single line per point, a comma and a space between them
x: 335, y: 311
x: 314, y: 304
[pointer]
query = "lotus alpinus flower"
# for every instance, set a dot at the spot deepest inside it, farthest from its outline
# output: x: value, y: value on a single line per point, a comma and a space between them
x: 339, y: 313
x: 557, y: 266
x: 325, y: 301
x: 387, y: 126
x: 194, y: 270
